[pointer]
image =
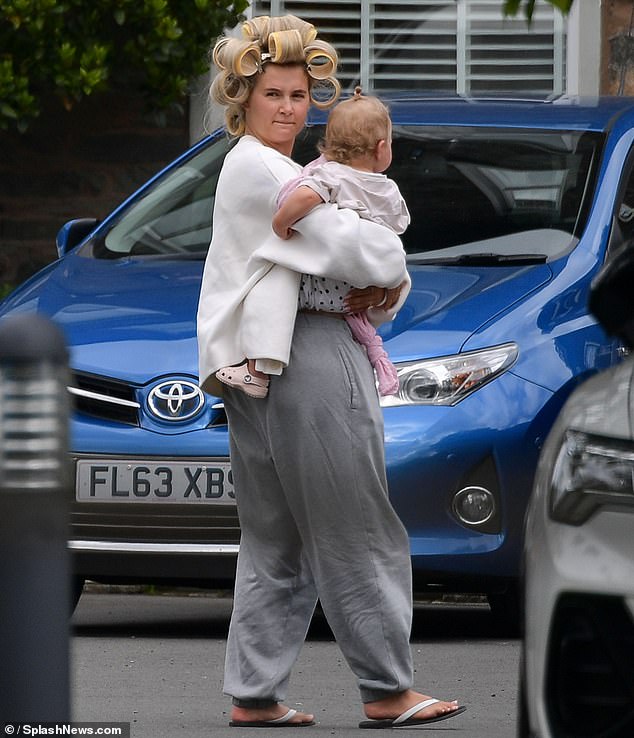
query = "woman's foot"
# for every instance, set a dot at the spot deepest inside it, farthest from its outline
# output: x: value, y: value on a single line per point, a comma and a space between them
x: 398, y: 704
x: 241, y: 377
x: 269, y: 716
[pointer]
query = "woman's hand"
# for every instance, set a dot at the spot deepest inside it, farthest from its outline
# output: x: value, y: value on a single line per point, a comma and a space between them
x: 360, y: 299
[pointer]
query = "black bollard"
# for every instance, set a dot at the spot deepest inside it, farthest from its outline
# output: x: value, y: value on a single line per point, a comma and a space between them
x: 34, y: 500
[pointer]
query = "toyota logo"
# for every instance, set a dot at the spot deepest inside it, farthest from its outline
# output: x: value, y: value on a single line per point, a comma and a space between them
x: 176, y: 400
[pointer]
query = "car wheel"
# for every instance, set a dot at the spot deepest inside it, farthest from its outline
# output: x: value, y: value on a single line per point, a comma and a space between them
x: 506, y: 611
x: 76, y: 588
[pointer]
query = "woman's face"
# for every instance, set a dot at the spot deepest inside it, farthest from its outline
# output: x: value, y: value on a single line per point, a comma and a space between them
x: 277, y: 107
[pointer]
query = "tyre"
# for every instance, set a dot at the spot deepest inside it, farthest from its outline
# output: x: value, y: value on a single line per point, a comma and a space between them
x: 506, y: 611
x: 76, y: 588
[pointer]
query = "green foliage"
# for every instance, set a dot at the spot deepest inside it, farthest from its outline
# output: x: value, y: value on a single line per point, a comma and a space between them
x: 75, y: 48
x: 6, y: 289
x: 512, y: 7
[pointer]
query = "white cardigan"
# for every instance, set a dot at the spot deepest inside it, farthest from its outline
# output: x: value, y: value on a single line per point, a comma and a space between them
x: 329, y: 242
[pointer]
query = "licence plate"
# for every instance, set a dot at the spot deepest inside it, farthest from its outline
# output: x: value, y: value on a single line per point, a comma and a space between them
x: 183, y: 482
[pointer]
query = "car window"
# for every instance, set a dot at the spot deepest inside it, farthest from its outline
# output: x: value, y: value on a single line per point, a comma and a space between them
x: 623, y: 222
x: 493, y: 191
x: 173, y: 216
x: 469, y: 190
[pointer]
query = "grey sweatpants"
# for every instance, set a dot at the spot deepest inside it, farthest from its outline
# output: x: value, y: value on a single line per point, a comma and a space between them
x: 309, y: 473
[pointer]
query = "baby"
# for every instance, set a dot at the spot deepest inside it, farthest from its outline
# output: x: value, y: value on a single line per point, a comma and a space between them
x: 356, y: 151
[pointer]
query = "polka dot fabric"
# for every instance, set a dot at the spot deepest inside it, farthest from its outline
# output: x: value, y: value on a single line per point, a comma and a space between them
x: 322, y: 293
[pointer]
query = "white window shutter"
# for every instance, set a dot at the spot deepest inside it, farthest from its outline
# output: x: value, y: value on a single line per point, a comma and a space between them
x: 463, y: 46
x: 506, y: 55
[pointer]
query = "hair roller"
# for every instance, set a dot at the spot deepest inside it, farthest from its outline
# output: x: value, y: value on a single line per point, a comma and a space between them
x: 325, y: 92
x: 248, y: 61
x: 225, y: 52
x: 321, y: 60
x: 237, y: 89
x: 234, y: 120
x: 307, y: 30
x: 286, y: 46
x: 308, y: 34
x: 218, y: 53
x: 228, y: 89
x: 256, y: 28
x: 288, y: 22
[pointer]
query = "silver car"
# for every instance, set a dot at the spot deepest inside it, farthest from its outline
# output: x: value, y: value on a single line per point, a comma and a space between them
x: 577, y: 665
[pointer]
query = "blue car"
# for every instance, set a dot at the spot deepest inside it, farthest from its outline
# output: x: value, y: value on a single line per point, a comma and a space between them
x: 515, y: 207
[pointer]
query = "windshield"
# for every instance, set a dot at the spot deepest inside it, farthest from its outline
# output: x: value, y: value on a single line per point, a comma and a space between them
x: 494, y: 192
x: 173, y: 217
x: 473, y: 193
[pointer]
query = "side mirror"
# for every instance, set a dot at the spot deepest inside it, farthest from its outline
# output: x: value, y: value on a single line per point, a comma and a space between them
x: 73, y: 233
x: 612, y: 295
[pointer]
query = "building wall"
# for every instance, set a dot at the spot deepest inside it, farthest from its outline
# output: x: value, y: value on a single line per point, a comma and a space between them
x: 617, y: 53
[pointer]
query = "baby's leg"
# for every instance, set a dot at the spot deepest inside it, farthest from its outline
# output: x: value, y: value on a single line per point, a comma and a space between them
x: 254, y: 371
x: 242, y: 378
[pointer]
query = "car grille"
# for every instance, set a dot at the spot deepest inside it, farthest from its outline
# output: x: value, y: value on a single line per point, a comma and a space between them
x: 590, y: 680
x: 155, y: 524
x: 116, y: 401
x: 101, y: 397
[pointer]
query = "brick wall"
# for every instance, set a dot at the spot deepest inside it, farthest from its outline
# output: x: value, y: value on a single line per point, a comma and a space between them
x: 74, y: 164
x: 617, y: 32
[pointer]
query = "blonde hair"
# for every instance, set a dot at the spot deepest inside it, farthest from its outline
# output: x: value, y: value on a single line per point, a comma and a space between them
x: 355, y: 127
x: 278, y: 40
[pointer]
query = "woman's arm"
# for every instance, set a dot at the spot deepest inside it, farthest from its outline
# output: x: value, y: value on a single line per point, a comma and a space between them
x: 337, y: 243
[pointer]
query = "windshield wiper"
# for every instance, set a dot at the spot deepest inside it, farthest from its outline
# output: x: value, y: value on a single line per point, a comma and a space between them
x: 484, y: 259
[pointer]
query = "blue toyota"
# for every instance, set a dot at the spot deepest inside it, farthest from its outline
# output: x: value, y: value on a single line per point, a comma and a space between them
x: 515, y: 207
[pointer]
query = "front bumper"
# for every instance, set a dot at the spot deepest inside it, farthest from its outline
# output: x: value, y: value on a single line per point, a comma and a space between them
x: 579, y: 627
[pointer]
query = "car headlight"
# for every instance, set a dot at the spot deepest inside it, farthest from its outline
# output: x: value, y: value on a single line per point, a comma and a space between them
x: 449, y: 379
x: 591, y: 472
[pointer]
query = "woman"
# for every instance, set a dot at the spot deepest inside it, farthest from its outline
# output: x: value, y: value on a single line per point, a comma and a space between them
x: 308, y: 461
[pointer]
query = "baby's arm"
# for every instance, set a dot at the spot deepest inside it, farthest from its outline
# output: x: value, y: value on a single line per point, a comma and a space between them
x: 296, y: 205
